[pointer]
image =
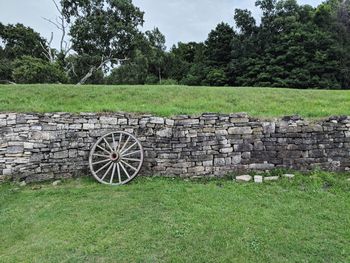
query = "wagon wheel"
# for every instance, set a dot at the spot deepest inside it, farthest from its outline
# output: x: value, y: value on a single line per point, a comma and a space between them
x: 116, y: 158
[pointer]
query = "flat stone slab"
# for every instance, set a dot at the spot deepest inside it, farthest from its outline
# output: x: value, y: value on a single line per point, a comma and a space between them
x: 289, y: 176
x: 55, y: 183
x: 244, y: 178
x: 7, y: 172
x: 258, y: 179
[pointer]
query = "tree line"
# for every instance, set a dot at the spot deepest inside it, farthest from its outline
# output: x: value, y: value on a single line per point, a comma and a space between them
x: 296, y: 46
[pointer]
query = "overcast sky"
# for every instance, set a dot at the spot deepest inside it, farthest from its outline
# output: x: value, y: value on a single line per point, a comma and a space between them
x: 178, y: 20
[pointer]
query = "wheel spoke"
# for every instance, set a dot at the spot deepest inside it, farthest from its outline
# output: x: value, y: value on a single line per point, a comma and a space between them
x: 132, y: 167
x: 112, y: 176
x: 132, y: 159
x: 103, y: 167
x: 119, y: 176
x: 101, y: 155
x: 125, y: 171
x: 122, y: 149
x: 128, y: 154
x: 103, y: 161
x: 109, y: 146
x: 120, y: 141
x: 128, y: 148
x: 103, y: 149
x: 104, y: 176
x: 114, y: 145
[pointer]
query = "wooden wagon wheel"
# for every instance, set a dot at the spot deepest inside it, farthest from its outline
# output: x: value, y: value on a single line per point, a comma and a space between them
x: 116, y: 158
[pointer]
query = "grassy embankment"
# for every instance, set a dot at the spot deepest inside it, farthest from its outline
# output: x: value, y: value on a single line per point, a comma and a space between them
x: 174, y: 100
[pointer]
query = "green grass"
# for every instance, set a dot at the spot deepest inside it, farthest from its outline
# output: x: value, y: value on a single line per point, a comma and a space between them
x: 174, y: 100
x: 171, y: 220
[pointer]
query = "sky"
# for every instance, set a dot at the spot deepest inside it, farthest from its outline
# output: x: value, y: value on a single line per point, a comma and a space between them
x: 178, y: 20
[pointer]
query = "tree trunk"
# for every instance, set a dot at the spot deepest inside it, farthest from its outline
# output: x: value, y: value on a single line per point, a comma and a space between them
x: 160, y: 76
x: 87, y: 76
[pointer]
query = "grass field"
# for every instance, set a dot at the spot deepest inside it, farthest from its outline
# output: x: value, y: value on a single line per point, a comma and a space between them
x: 174, y: 100
x: 171, y: 220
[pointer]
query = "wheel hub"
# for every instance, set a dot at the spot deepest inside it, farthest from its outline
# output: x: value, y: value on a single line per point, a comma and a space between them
x: 115, y: 157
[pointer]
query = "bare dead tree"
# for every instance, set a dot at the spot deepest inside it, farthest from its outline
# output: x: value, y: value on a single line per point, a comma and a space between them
x: 48, y: 51
x: 62, y: 25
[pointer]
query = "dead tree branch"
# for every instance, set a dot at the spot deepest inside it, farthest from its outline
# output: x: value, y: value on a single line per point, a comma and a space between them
x: 61, y: 24
x: 48, y: 51
x: 93, y: 69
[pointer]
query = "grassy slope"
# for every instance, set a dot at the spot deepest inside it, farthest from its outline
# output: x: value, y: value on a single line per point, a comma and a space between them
x: 164, y: 220
x: 173, y: 100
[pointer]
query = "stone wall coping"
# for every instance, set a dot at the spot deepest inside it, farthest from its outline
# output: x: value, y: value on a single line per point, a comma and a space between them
x: 240, y: 115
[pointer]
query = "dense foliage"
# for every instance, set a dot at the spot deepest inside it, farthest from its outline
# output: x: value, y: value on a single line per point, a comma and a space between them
x: 297, y: 46
x: 35, y: 70
x: 294, y: 46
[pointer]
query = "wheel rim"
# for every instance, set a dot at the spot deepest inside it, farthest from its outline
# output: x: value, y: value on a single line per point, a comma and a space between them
x: 116, y: 158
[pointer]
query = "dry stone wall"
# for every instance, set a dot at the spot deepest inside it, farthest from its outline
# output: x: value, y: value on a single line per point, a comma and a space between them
x: 36, y: 147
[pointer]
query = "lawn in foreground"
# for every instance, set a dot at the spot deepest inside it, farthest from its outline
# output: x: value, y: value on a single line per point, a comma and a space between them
x: 174, y: 100
x: 171, y: 220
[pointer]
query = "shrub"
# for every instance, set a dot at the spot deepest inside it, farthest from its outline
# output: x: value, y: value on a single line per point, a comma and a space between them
x: 35, y: 70
x: 191, y: 80
x: 169, y: 82
x: 130, y: 73
x: 216, y: 77
x: 152, y: 79
x: 6, y: 68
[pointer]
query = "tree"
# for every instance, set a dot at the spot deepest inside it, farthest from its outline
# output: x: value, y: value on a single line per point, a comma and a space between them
x: 295, y: 46
x: 156, y: 42
x: 35, y: 70
x: 79, y: 65
x: 219, y: 46
x: 132, y: 72
x: 148, y: 62
x: 216, y: 77
x: 245, y: 22
x: 218, y: 52
x: 6, y: 68
x: 182, y: 57
x: 104, y: 30
x: 18, y: 40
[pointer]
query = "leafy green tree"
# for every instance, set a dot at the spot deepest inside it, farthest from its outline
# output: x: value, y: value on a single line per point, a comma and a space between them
x: 35, y: 70
x: 295, y: 46
x: 135, y: 71
x: 182, y: 57
x: 157, y: 46
x: 219, y: 46
x: 6, y: 68
x: 18, y: 40
x: 104, y: 30
x: 196, y: 75
x: 147, y: 61
x: 245, y: 22
x: 216, y: 77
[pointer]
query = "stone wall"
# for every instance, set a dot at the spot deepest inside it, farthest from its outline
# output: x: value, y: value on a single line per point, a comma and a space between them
x: 36, y: 147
